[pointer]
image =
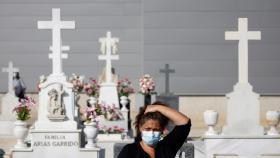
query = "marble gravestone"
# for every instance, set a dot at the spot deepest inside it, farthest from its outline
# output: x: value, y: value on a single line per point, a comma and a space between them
x: 108, y: 84
x: 168, y: 97
x: 242, y: 136
x: 108, y: 88
x: 243, y: 103
x: 9, y: 101
x: 55, y: 133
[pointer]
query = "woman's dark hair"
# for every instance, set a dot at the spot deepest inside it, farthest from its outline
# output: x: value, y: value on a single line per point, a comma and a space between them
x: 143, y: 117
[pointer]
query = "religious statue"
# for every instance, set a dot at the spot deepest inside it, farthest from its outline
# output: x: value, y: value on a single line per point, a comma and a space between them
x: 56, y: 106
x: 114, y: 47
x: 19, y: 86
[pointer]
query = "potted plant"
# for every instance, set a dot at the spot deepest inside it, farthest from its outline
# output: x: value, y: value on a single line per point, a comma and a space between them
x: 92, y: 90
x: 124, y: 90
x: 23, y: 112
x: 91, y: 125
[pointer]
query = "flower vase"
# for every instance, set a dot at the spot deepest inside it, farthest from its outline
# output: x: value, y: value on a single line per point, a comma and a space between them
x: 91, y: 132
x: 272, y: 118
x: 124, y: 101
x: 211, y: 119
x: 20, y: 132
x: 92, y: 101
x: 147, y: 99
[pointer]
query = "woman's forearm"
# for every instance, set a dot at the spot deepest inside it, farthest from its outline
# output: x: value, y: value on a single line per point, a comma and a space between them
x: 176, y: 117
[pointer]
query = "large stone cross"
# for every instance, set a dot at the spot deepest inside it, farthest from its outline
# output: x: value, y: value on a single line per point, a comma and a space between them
x: 11, y: 70
x: 167, y: 71
x: 57, y: 25
x: 108, y: 50
x: 243, y: 35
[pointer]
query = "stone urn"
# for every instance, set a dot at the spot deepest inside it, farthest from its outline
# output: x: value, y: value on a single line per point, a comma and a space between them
x: 91, y: 132
x: 272, y: 118
x: 211, y: 119
x: 92, y: 101
x: 124, y: 101
x: 20, y: 132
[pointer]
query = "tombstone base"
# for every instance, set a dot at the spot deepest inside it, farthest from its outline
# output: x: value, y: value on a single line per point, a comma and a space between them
x: 242, y: 146
x: 51, y: 125
x: 56, y: 144
x: 243, y: 112
x: 56, y: 118
x: 108, y: 94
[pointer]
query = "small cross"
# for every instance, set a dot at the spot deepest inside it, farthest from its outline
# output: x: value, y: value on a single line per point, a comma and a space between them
x: 11, y: 70
x: 243, y: 35
x: 108, y: 50
x: 167, y: 71
x: 57, y: 25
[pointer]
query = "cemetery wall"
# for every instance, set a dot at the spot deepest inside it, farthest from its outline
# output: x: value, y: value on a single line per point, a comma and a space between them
x: 187, y: 34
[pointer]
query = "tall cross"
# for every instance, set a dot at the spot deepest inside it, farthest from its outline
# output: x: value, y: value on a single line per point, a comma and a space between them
x: 11, y: 70
x: 167, y: 71
x: 243, y: 35
x: 57, y: 25
x: 108, y: 50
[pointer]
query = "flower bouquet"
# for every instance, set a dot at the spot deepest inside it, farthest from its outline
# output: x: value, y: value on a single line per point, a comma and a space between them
x: 147, y: 84
x: 111, y: 130
x: 23, y: 109
x: 92, y: 89
x: 111, y: 113
x: 91, y: 114
x: 23, y: 112
x: 125, y: 87
x: 147, y: 87
x: 77, y: 81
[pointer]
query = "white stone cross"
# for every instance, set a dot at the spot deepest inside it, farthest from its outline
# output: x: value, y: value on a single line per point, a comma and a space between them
x: 167, y: 71
x: 243, y: 35
x: 57, y: 25
x: 11, y: 70
x: 108, y: 50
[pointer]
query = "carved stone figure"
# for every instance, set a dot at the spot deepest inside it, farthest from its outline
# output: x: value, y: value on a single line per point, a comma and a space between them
x: 56, y: 106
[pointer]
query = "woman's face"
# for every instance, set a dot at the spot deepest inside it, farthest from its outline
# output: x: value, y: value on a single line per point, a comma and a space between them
x: 151, y: 125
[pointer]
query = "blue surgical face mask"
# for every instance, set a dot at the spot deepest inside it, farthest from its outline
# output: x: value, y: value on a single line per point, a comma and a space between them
x: 151, y: 138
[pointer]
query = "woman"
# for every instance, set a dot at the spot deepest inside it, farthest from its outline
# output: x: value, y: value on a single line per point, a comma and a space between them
x: 150, y: 123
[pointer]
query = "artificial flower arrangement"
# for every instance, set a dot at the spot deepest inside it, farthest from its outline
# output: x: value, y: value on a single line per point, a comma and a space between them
x: 147, y: 84
x: 111, y: 130
x: 92, y: 89
x: 78, y: 82
x: 91, y: 114
x: 111, y: 113
x: 23, y: 109
x: 125, y: 87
